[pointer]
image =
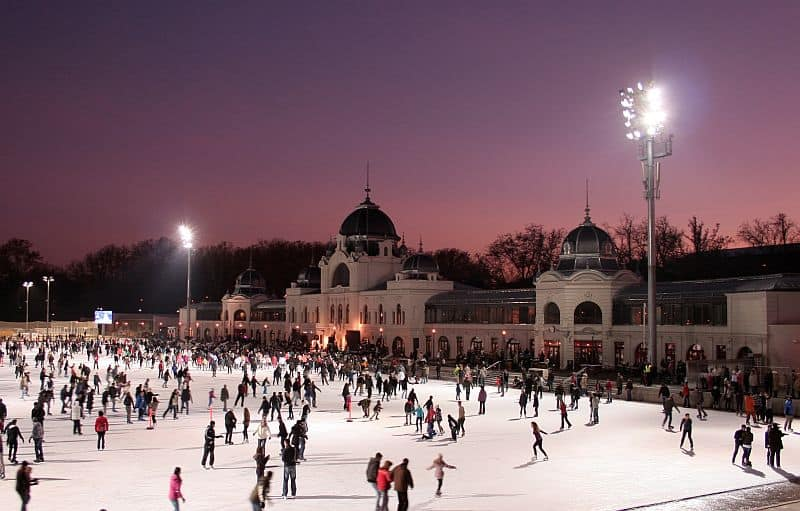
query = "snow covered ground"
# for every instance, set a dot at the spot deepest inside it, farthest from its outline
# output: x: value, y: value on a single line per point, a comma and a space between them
x: 627, y: 460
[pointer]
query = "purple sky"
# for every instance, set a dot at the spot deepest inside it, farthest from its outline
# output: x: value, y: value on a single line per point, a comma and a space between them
x: 254, y: 120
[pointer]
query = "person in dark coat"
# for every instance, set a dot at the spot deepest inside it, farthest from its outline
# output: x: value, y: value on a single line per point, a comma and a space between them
x: 775, y: 445
x: 208, y: 445
x: 402, y: 482
x: 230, y: 425
x: 24, y: 483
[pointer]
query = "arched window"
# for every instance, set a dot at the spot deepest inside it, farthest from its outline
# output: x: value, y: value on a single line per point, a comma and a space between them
x: 444, y: 347
x: 744, y: 352
x: 399, y: 316
x: 347, y: 313
x: 588, y: 313
x: 305, y: 314
x: 333, y: 313
x: 341, y: 276
x: 339, y: 314
x: 316, y: 315
x: 398, y: 347
x: 381, y: 319
x: 552, y: 314
x: 293, y: 317
x: 695, y: 352
x: 240, y: 315
x: 365, y: 318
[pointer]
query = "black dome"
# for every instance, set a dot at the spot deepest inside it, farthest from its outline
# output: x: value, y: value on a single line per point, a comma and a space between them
x: 421, y: 263
x: 310, y: 276
x: 369, y: 220
x: 588, y: 247
x: 250, y: 283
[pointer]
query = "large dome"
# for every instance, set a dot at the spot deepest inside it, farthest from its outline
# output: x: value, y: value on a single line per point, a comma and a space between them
x: 588, y: 247
x: 309, y: 277
x: 369, y: 221
x: 250, y: 283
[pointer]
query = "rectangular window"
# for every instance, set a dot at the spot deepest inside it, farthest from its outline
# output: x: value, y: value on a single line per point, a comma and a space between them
x: 721, y: 352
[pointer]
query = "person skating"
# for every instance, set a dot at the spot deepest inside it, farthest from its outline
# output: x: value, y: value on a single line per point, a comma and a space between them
x: 564, y: 417
x: 75, y: 415
x: 372, y: 477
x: 669, y: 406
x: 175, y: 493
x: 261, y: 459
x: 701, y: 411
x: 245, y: 425
x: 260, y: 493
x: 686, y: 427
x: 230, y: 425
x: 384, y: 483
x: 462, y: 417
x: 402, y: 482
x: 24, y: 483
x: 37, y: 437
x: 438, y: 467
x: 13, y: 437
x: 289, y: 458
x: 537, y: 438
x: 208, y: 445
x: 737, y: 440
x: 376, y: 411
x: 523, y: 403
x: 482, y: 401
x: 747, y: 446
x: 788, y: 413
x: 262, y: 433
x: 224, y: 396
x: 100, y: 427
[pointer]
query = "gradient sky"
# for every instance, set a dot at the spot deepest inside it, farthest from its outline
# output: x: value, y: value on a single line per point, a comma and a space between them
x: 254, y: 120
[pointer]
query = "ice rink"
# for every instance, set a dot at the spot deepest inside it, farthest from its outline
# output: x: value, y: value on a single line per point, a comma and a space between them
x: 626, y: 461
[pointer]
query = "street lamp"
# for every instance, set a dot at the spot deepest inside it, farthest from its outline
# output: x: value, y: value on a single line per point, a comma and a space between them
x: 187, y: 237
x: 27, y: 285
x: 48, y: 280
x: 644, y: 115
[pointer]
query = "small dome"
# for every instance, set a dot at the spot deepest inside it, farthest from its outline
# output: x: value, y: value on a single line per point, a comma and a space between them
x: 369, y: 221
x: 420, y: 263
x: 250, y: 283
x: 588, y: 247
x: 310, y: 276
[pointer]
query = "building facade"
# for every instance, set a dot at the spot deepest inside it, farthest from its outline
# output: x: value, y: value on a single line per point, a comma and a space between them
x: 586, y: 310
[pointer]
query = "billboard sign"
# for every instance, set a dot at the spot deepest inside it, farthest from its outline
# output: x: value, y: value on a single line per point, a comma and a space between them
x: 102, y: 317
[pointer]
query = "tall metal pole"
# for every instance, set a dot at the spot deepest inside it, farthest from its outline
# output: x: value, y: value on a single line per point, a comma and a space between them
x: 27, y: 309
x: 651, y: 252
x: 188, y: 291
x: 47, y: 335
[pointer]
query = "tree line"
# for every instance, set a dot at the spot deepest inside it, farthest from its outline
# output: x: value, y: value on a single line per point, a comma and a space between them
x: 151, y: 275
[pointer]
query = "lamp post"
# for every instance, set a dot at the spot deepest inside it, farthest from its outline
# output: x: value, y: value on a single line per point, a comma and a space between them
x: 644, y: 118
x: 48, y: 280
x: 187, y: 237
x: 27, y: 285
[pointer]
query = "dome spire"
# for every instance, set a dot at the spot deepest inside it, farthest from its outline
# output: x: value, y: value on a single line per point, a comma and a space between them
x: 367, y: 189
x: 587, y: 219
x: 420, y: 243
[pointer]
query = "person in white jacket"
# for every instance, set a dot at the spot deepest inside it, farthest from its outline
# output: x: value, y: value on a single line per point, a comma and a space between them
x: 262, y: 433
x: 75, y: 414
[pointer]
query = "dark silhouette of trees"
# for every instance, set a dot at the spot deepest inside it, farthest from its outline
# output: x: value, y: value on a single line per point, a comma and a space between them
x: 777, y: 230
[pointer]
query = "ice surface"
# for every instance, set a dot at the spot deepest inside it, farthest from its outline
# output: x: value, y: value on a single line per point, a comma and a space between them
x: 627, y: 460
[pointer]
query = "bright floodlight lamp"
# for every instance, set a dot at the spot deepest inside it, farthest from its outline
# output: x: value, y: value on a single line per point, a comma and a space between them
x: 644, y: 117
x: 186, y: 235
x: 27, y: 284
x: 642, y: 110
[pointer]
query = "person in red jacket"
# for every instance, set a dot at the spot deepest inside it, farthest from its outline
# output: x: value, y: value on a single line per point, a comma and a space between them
x: 384, y: 483
x: 100, y: 427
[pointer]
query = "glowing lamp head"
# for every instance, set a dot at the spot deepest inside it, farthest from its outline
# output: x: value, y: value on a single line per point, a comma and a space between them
x: 643, y: 110
x: 186, y: 234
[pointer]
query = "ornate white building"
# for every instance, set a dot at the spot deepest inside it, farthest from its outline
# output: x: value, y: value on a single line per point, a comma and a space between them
x: 586, y: 310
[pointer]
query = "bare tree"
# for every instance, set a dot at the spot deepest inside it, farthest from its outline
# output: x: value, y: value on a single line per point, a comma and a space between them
x: 777, y: 230
x: 703, y: 239
x: 515, y: 257
x: 630, y: 239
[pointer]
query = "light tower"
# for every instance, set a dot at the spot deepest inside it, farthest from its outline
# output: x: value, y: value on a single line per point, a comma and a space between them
x: 27, y: 285
x: 48, y: 280
x: 643, y: 111
x: 187, y: 236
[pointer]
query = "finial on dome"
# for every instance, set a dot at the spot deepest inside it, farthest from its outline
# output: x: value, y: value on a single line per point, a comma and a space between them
x: 587, y: 219
x: 420, y: 243
x: 367, y: 189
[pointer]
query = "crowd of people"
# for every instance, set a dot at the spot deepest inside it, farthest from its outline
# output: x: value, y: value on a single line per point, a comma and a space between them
x: 284, y: 386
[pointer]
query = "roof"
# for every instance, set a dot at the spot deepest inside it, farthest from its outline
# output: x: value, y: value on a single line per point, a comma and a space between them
x: 368, y: 220
x: 485, y: 297
x: 588, y: 247
x: 714, y: 287
x: 420, y: 263
x: 278, y: 304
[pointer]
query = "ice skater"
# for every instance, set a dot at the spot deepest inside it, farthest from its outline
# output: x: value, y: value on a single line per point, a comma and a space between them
x: 438, y: 467
x: 537, y: 437
x: 686, y: 427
